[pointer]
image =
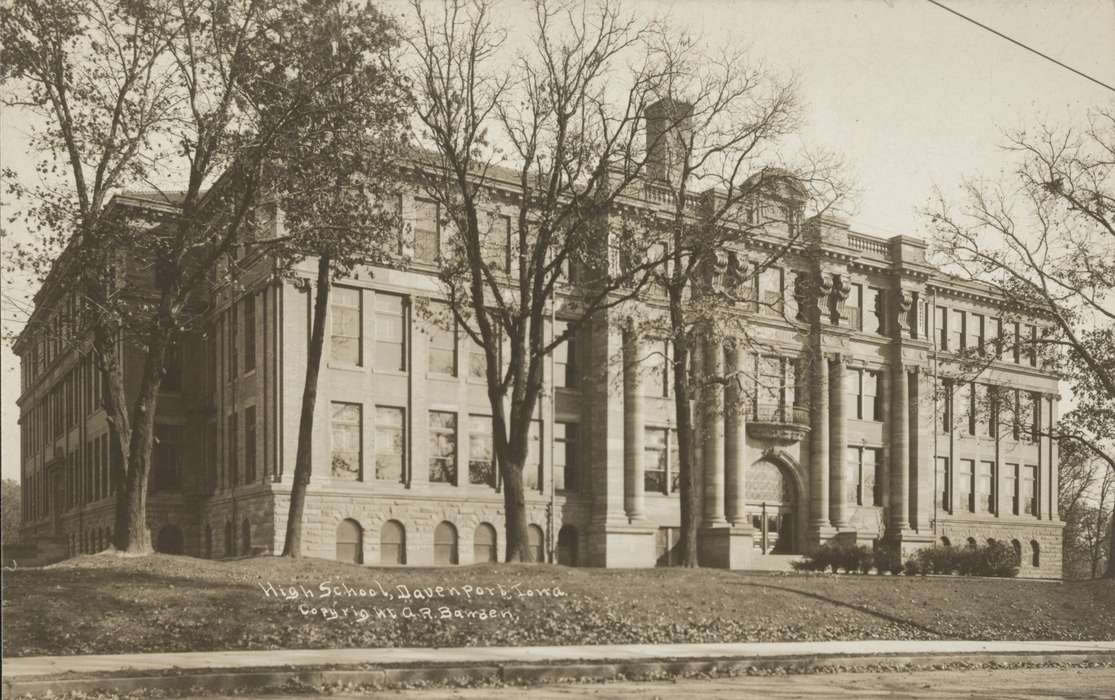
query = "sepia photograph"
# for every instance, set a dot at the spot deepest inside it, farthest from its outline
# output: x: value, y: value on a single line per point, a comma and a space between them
x: 501, y: 349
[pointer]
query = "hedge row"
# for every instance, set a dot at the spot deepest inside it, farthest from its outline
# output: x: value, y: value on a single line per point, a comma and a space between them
x: 994, y: 559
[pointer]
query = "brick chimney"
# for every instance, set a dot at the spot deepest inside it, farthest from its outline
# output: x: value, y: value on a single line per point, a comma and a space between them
x: 669, y: 127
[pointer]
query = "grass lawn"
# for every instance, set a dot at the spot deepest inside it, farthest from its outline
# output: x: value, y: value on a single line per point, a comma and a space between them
x: 105, y: 604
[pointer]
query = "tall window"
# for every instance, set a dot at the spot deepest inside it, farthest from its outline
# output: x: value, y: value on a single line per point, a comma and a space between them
x: 872, y: 401
x: 965, y: 400
x: 390, y: 443
x: 770, y: 290
x: 943, y: 477
x: 443, y: 447
x: 393, y: 544
x: 445, y: 544
x: 346, y: 456
x: 233, y: 441
x: 854, y: 307
x: 1015, y: 342
x: 1030, y: 345
x: 1010, y: 486
x: 985, y: 487
x: 565, y: 358
x: 535, y: 539
x: 346, y: 326
x: 390, y: 332
x: 656, y: 379
x: 975, y: 332
x: 443, y: 342
x: 956, y: 330
x: 532, y: 470
x: 865, y: 489
x: 427, y: 231
x: 995, y: 336
x: 1029, y: 491
x: 873, y: 316
x: 350, y: 542
x: 481, y: 460
x: 654, y: 460
x: 565, y: 457
x: 964, y: 478
x: 249, y: 332
x: 495, y: 239
x: 484, y: 544
x: 250, y: 444
x: 167, y: 467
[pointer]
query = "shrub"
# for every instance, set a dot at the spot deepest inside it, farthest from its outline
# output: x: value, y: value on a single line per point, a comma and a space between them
x: 997, y: 559
x: 836, y: 557
x: 994, y: 559
x: 887, y: 558
x: 913, y: 567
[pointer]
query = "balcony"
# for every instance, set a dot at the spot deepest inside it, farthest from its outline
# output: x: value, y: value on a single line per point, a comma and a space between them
x: 778, y: 422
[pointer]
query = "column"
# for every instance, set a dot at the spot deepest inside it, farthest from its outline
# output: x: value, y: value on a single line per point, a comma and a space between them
x: 712, y: 455
x: 838, y: 444
x: 632, y: 426
x: 899, y: 429
x: 819, y: 444
x: 735, y: 440
x: 1054, y: 457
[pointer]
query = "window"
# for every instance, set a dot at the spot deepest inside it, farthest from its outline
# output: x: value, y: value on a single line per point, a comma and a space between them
x: 390, y: 443
x: 443, y: 447
x: 871, y: 400
x: 565, y: 457
x: 350, y: 542
x: 956, y: 330
x: 873, y: 311
x: 565, y: 358
x: 481, y: 461
x: 250, y: 444
x: 1033, y: 415
x: 232, y: 472
x: 854, y: 307
x: 770, y: 290
x: 427, y: 230
x: 346, y: 326
x: 654, y: 460
x: 535, y: 549
x: 1035, y: 553
x: 985, y: 487
x: 981, y: 409
x: 172, y: 375
x: 249, y: 333
x: 233, y: 328
x: 532, y: 470
x: 347, y: 455
x: 495, y: 239
x: 964, y: 478
x: 1030, y: 344
x: 484, y: 544
x: 477, y: 362
x: 943, y: 476
x: 393, y: 544
x: 442, y: 331
x: 1010, y: 486
x: 975, y: 332
x: 965, y: 401
x: 657, y: 373
x: 445, y: 544
x: 864, y: 489
x: 1014, y: 340
x: 390, y: 332
x: 995, y: 336
x: 1029, y: 491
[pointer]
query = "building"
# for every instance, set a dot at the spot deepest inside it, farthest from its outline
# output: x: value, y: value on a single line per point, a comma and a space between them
x: 856, y: 421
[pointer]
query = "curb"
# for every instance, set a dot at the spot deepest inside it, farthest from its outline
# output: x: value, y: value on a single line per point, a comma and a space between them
x: 217, y: 681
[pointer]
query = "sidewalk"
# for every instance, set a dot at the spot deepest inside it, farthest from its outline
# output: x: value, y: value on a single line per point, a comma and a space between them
x: 225, y: 669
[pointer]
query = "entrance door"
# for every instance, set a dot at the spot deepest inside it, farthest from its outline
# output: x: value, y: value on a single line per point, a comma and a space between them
x: 772, y: 507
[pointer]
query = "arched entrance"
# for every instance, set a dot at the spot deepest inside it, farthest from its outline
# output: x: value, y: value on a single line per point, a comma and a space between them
x: 169, y: 540
x: 772, y: 506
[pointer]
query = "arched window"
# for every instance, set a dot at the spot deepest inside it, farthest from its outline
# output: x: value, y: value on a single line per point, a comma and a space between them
x: 230, y: 539
x: 445, y: 544
x: 484, y: 544
x: 169, y: 540
x: 350, y: 542
x: 246, y: 537
x: 1035, y: 557
x: 567, y: 545
x: 972, y: 543
x: 534, y: 543
x: 990, y: 541
x: 945, y: 542
x: 393, y: 543
x: 1017, y: 546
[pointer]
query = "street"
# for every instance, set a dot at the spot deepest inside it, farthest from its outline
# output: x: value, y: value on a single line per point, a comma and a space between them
x: 1075, y: 683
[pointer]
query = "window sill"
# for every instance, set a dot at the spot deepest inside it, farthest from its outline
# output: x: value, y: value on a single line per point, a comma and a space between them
x: 345, y: 367
x: 391, y: 372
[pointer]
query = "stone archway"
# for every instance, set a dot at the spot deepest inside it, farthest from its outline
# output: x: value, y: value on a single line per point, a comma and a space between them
x: 773, y: 506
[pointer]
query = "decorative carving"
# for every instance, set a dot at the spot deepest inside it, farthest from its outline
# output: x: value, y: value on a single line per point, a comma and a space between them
x: 823, y: 291
x: 841, y: 288
x: 734, y: 272
x: 778, y: 433
x: 801, y: 296
x: 903, y: 301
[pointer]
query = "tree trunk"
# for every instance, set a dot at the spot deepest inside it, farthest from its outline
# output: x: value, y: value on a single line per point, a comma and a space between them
x: 690, y: 501
x: 515, y: 508
x: 1110, y: 572
x: 132, y: 535
x: 303, y: 465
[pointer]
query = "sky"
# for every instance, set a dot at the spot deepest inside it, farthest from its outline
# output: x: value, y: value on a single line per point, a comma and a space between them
x: 910, y: 96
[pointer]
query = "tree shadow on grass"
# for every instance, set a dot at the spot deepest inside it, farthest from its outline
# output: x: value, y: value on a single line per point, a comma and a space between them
x: 852, y: 606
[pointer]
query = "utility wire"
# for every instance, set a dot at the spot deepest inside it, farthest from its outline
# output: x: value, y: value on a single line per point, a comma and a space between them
x: 1019, y: 43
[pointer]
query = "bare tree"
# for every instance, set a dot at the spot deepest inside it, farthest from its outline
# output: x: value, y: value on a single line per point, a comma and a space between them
x: 164, y: 96
x: 557, y: 141
x: 725, y: 183
x: 1045, y: 239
